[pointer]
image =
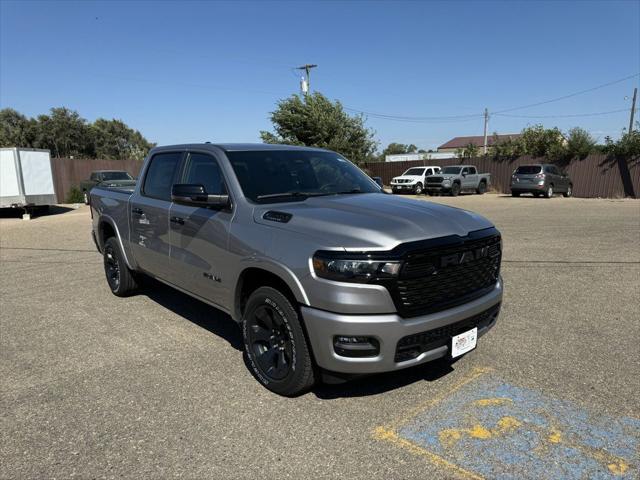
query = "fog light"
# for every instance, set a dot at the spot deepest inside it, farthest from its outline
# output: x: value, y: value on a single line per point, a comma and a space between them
x: 356, y: 346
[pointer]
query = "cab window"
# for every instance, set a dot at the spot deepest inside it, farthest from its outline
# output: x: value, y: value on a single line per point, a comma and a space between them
x: 203, y: 169
x: 472, y: 170
x: 160, y: 174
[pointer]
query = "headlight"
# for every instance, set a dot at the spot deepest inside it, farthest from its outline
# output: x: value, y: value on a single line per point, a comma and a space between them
x: 327, y: 265
x: 446, y: 180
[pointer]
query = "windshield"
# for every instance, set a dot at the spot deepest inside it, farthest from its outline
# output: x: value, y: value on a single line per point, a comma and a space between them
x: 414, y: 171
x: 109, y: 176
x: 280, y: 175
x: 529, y: 169
x: 451, y: 170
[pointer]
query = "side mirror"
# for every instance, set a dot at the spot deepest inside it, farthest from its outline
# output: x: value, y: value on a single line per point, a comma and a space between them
x: 464, y: 174
x: 378, y: 180
x: 196, y: 195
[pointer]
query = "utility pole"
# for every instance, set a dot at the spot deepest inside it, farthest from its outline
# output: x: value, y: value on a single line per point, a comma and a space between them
x: 633, y: 109
x: 486, y: 124
x: 307, y: 68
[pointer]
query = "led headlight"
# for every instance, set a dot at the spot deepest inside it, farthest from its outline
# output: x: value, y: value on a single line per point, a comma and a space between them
x: 354, y: 270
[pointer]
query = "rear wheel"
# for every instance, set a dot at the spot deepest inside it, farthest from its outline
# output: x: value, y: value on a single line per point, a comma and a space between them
x: 482, y: 188
x: 275, y: 344
x: 119, y: 277
x: 569, y: 191
x: 549, y: 192
x: 455, y: 189
x: 418, y: 189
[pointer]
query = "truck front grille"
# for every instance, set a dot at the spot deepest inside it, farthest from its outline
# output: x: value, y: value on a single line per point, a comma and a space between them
x: 442, y: 277
x: 434, y: 179
x: 412, y: 346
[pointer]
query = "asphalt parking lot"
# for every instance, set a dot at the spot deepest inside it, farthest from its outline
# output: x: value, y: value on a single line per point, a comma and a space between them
x: 154, y: 386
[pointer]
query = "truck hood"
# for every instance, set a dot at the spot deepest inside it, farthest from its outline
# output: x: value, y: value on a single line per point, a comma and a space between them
x: 408, y: 177
x: 372, y: 221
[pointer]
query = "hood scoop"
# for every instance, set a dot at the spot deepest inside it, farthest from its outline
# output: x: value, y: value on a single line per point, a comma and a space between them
x: 275, y: 216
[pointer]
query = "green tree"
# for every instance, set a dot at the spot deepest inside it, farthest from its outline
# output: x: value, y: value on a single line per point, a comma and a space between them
x: 65, y: 133
x: 627, y: 147
x: 16, y: 130
x: 579, y: 143
x: 113, y: 139
x: 538, y: 141
x: 470, y: 151
x: 315, y: 121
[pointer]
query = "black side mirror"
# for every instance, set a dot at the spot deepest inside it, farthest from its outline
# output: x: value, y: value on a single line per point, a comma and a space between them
x: 378, y: 180
x: 196, y: 195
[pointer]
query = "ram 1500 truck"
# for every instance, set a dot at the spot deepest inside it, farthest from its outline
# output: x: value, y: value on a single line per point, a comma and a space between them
x: 328, y: 275
x: 458, y: 178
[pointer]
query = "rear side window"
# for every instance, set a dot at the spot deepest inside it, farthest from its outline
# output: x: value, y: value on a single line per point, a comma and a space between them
x: 202, y: 169
x: 159, y: 178
x: 529, y: 169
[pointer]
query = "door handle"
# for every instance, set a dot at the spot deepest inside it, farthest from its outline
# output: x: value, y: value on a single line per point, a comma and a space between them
x: 137, y: 211
x: 178, y: 220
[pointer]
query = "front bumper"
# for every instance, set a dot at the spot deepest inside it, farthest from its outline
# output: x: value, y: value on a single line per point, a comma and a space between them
x: 388, y: 329
x: 437, y: 187
x: 403, y: 186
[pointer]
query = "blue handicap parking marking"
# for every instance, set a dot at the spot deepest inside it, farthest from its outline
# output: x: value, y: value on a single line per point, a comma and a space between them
x: 502, y: 431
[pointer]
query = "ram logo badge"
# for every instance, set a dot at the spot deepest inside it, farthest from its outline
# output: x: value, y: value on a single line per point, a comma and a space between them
x: 464, y: 257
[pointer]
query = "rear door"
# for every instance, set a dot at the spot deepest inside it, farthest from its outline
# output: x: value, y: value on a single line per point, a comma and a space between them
x: 149, y: 214
x: 199, y: 235
x: 553, y: 177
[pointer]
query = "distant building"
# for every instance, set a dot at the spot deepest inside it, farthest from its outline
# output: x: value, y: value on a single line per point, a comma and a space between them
x: 461, y: 142
x: 410, y: 157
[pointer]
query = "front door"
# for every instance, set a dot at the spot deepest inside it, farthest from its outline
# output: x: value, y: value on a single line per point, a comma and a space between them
x: 149, y: 214
x: 199, y: 235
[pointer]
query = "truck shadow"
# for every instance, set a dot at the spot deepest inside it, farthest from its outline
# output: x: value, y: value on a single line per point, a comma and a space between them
x: 219, y: 323
x: 197, y: 312
x: 384, y: 382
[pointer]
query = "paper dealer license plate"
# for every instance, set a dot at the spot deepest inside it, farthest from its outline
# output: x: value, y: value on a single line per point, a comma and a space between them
x: 464, y: 342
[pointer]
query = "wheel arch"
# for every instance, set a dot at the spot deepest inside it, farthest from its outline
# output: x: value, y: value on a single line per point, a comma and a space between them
x: 107, y: 228
x: 253, y: 277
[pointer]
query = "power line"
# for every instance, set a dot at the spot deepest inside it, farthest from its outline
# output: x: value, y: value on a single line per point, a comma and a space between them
x: 387, y: 116
x: 594, y: 114
x: 557, y: 99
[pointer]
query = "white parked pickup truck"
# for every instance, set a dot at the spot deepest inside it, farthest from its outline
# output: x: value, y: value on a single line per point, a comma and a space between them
x: 413, y: 179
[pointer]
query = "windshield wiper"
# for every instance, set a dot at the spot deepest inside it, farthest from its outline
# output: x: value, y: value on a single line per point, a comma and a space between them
x: 289, y: 194
x: 353, y: 190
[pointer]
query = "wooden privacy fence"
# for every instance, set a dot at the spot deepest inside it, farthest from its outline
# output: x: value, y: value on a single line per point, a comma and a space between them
x: 595, y: 176
x: 69, y: 172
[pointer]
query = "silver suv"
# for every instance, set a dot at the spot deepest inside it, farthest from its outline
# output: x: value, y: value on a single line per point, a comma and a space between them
x: 541, y: 179
x: 327, y: 275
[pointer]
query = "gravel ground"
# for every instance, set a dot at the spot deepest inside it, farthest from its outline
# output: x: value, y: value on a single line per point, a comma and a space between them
x: 154, y: 386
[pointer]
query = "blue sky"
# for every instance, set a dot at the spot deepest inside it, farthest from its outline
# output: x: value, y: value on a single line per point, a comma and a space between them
x: 197, y: 71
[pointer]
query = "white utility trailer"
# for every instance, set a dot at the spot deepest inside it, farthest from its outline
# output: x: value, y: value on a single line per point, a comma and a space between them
x: 26, y: 178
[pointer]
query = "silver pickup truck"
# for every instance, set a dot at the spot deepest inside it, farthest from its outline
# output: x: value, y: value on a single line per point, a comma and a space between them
x: 456, y: 179
x: 327, y: 275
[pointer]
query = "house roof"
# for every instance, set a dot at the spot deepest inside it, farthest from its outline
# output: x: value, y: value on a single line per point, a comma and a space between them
x: 477, y: 140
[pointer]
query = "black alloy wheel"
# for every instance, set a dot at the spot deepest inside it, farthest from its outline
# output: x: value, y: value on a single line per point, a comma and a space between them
x: 111, y: 267
x: 270, y: 342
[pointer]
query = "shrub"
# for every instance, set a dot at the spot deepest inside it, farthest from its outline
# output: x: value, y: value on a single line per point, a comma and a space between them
x: 75, y: 195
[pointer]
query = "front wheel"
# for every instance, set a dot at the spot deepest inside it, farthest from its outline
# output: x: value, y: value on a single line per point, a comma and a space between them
x: 85, y: 196
x: 455, y: 189
x: 569, y: 191
x: 275, y: 345
x: 120, y: 279
x: 418, y: 189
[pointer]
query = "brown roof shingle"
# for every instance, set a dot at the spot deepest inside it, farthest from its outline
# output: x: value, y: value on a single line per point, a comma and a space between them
x: 478, y: 140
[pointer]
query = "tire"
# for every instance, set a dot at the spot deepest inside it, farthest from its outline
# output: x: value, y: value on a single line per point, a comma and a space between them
x: 455, y: 190
x: 548, y: 192
x: 275, y: 345
x: 418, y: 189
x: 85, y: 195
x: 515, y: 194
x: 482, y: 188
x: 119, y: 278
x: 569, y: 191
